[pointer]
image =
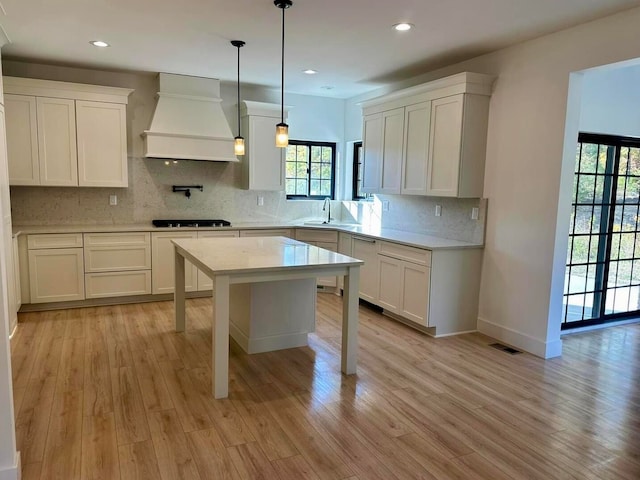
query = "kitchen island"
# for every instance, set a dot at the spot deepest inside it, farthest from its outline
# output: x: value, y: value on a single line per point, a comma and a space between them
x: 263, y: 282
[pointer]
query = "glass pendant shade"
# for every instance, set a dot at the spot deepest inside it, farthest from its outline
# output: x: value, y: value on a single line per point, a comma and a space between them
x: 238, y: 146
x: 282, y: 135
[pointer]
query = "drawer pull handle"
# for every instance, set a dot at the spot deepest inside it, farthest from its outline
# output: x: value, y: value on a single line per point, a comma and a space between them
x: 368, y: 240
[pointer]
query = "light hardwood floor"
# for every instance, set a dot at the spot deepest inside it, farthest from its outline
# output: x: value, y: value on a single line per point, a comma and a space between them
x: 114, y: 392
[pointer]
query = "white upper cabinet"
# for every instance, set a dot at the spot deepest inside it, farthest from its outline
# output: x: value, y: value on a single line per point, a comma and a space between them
x: 102, y: 144
x: 66, y: 134
x: 22, y: 140
x: 57, y: 141
x: 392, y: 149
x: 263, y: 163
x: 372, y: 153
x: 417, y: 120
x: 429, y: 139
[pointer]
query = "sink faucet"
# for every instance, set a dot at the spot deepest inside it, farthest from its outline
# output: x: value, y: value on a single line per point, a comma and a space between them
x: 327, y: 207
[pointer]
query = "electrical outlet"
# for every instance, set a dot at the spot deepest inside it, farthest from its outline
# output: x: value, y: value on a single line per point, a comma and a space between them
x: 474, y: 213
x: 438, y: 210
x: 385, y: 205
x: 113, y: 200
x: 260, y: 201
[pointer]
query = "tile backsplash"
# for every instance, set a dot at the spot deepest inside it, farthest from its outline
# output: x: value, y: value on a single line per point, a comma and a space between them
x: 149, y: 196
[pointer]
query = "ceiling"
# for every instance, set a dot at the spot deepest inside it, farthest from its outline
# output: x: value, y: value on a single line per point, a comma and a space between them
x: 349, y: 42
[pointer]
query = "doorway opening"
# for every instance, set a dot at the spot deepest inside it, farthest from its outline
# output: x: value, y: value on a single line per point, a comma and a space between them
x: 602, y: 278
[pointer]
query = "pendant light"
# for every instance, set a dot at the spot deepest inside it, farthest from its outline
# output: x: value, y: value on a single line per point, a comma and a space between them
x: 282, y: 129
x: 238, y: 144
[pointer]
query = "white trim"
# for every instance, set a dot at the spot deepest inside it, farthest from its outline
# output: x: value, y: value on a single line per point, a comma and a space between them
x: 13, y: 332
x: 520, y: 340
x: 453, y: 334
x: 13, y: 472
x: 68, y: 90
x: 599, y: 326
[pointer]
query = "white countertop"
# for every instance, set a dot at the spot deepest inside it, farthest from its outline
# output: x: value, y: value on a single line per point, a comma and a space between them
x: 420, y: 240
x: 252, y: 254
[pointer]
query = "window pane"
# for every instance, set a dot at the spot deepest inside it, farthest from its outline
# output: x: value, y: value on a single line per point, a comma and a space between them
x: 316, y: 154
x: 290, y: 187
x: 326, y: 171
x: 291, y: 153
x: 326, y: 188
x: 291, y: 169
x: 315, y: 170
x: 315, y: 187
x: 301, y: 170
x: 301, y: 187
x: 326, y: 154
x: 303, y: 153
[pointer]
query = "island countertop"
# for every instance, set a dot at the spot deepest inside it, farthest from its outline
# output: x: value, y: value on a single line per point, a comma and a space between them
x: 251, y: 254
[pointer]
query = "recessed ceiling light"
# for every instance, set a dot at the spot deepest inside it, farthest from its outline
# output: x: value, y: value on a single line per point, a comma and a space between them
x: 310, y: 71
x: 403, y: 27
x: 99, y: 43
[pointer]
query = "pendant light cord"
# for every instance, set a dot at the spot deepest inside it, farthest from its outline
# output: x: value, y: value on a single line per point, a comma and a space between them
x: 239, y: 133
x: 282, y: 75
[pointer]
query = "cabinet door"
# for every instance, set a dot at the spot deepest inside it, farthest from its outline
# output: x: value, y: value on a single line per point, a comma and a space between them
x: 392, y: 148
x: 16, y: 274
x: 56, y: 275
x: 371, y: 153
x: 102, y: 144
x: 415, y: 293
x: 366, y: 250
x: 417, y: 120
x: 390, y: 283
x: 266, y: 161
x: 162, y: 263
x: 22, y: 140
x: 445, y: 142
x: 204, y: 282
x: 57, y: 141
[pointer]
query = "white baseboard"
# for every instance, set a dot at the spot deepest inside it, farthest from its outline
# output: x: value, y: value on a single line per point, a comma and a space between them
x: 14, y: 472
x: 266, y: 344
x: 522, y: 341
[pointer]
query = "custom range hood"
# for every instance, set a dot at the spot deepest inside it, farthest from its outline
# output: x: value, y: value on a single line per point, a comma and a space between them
x: 188, y: 122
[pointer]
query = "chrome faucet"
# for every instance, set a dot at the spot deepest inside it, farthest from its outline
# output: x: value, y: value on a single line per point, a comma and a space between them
x: 327, y: 207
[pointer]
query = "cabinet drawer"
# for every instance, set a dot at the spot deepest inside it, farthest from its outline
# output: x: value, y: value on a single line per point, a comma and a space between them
x: 117, y: 284
x: 305, y: 235
x: 117, y: 258
x: 54, y: 240
x: 403, y: 252
x: 115, y: 239
x: 285, y: 232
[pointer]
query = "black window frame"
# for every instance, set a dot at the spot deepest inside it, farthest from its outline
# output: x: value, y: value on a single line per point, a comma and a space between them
x: 357, y: 171
x: 310, y: 144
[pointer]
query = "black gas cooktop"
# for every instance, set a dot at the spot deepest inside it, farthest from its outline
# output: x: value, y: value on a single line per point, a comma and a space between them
x: 190, y: 223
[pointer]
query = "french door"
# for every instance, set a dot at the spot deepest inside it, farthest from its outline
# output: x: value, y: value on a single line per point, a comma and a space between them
x: 602, y: 279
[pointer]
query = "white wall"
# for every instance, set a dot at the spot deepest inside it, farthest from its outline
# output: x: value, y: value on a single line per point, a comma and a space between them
x: 611, y: 101
x: 528, y: 174
x: 9, y: 458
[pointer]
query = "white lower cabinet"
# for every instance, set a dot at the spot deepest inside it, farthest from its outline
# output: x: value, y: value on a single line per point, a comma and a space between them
x: 204, y: 282
x: 162, y: 259
x: 56, y: 275
x: 327, y: 239
x: 404, y: 281
x: 365, y: 249
x: 117, y: 264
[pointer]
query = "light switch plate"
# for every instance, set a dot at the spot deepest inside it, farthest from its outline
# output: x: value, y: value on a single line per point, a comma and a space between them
x: 260, y: 201
x: 113, y: 200
x: 438, y: 210
x: 385, y: 205
x: 474, y: 213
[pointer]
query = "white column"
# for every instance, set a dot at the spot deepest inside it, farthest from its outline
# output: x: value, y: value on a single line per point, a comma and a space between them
x: 9, y: 457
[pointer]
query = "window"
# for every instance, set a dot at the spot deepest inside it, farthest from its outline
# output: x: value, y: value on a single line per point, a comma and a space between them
x: 357, y: 194
x: 310, y: 169
x: 602, y: 280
